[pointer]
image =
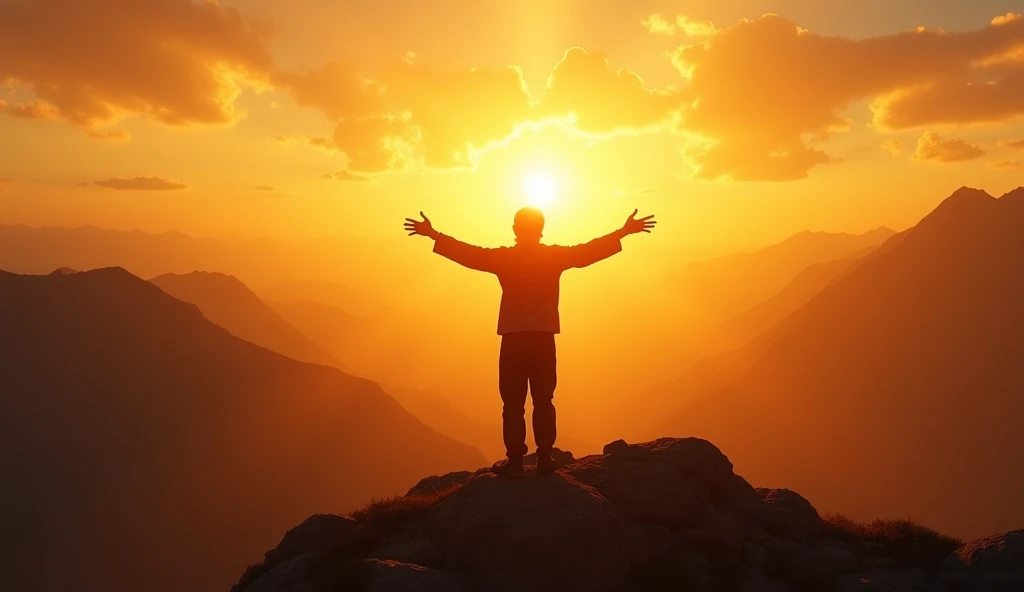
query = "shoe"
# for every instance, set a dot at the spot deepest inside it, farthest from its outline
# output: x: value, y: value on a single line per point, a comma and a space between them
x: 546, y: 464
x: 509, y: 467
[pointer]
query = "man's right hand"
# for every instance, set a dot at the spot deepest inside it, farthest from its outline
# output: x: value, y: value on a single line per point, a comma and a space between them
x: 420, y: 227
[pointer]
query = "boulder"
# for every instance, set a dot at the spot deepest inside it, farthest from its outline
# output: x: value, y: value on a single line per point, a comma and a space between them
x: 562, y: 458
x: 433, y: 484
x: 881, y: 580
x: 406, y: 549
x: 788, y: 515
x: 394, y: 576
x: 318, y: 533
x: 989, y: 564
x: 541, y: 532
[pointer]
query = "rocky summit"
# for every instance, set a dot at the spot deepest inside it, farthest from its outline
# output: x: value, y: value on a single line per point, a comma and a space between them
x: 664, y: 515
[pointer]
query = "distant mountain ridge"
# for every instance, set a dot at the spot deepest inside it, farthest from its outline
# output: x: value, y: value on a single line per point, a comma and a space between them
x: 723, y: 287
x: 906, y: 371
x: 229, y: 303
x: 137, y: 437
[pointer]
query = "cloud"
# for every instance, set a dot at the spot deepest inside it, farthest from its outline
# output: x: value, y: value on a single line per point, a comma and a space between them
x: 180, y: 62
x: 1007, y: 165
x: 933, y: 147
x: 763, y: 93
x: 659, y: 25
x: 265, y: 188
x: 1017, y: 144
x: 600, y: 99
x: 1006, y: 18
x: 114, y: 135
x: 893, y: 146
x: 691, y: 27
x: 343, y: 175
x: 34, y: 110
x: 140, y: 184
x: 414, y: 116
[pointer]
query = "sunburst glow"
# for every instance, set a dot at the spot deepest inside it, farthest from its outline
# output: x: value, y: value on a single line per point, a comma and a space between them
x: 540, y: 187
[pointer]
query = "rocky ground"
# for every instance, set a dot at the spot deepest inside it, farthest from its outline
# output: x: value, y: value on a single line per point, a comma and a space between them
x: 663, y: 515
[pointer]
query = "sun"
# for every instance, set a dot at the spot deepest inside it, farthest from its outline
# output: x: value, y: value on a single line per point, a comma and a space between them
x: 540, y: 188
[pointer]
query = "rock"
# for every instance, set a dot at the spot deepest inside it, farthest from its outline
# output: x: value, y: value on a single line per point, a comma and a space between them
x: 406, y: 549
x: 722, y: 531
x: 788, y: 515
x: 288, y: 576
x: 394, y: 576
x: 434, y: 484
x: 990, y: 564
x: 644, y: 491
x: 696, y: 456
x: 562, y: 457
x: 880, y: 580
x: 541, y: 532
x: 318, y: 533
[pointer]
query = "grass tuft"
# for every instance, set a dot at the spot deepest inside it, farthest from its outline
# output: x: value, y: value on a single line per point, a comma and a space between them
x: 904, y: 541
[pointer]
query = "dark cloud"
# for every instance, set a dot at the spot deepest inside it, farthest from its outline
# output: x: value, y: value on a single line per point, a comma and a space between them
x: 140, y: 184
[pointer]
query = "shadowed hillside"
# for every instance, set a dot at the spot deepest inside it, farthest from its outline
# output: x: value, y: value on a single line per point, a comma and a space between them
x: 897, y: 390
x: 229, y: 303
x: 145, y: 448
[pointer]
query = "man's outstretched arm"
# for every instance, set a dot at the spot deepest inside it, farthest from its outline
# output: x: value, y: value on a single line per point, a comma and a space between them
x: 609, y: 244
x: 462, y: 253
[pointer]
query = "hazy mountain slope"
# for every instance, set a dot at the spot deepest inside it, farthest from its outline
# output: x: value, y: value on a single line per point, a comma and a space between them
x: 145, y: 448
x: 229, y: 303
x: 905, y: 373
x: 720, y: 288
x: 330, y: 327
x: 343, y: 297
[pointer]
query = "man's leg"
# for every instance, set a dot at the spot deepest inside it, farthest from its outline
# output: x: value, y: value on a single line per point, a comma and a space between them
x: 513, y: 384
x: 543, y: 379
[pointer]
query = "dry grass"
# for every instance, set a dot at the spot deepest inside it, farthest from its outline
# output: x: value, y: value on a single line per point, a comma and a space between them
x: 904, y: 541
x: 383, y: 517
x: 378, y: 520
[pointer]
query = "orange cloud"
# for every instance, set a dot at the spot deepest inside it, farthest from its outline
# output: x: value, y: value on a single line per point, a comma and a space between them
x: 691, y: 27
x: 265, y: 188
x: 893, y: 146
x: 90, y: 63
x: 1008, y: 165
x: 116, y: 135
x: 934, y: 147
x: 414, y: 116
x: 34, y: 110
x: 140, y: 184
x: 1011, y: 144
x: 763, y: 91
x: 343, y: 175
x: 600, y: 99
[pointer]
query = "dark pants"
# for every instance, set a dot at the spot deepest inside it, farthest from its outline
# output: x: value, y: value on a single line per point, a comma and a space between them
x: 527, y: 360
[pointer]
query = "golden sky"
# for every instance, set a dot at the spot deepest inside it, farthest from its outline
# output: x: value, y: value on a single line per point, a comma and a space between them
x: 738, y: 123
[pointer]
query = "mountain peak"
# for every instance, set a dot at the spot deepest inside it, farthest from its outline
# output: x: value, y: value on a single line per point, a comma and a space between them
x: 666, y: 514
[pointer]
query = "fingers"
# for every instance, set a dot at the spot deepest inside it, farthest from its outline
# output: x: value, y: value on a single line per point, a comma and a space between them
x: 646, y: 217
x: 410, y: 220
x: 412, y: 233
x: 633, y: 215
x: 424, y: 216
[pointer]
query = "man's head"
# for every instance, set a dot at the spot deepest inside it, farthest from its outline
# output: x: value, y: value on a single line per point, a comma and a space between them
x: 528, y: 225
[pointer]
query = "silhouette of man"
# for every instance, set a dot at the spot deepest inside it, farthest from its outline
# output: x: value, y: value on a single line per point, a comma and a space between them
x: 529, y: 273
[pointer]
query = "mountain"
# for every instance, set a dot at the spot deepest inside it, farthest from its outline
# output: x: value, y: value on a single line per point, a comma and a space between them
x: 906, y: 371
x: 143, y: 447
x: 229, y: 303
x: 330, y: 327
x: 345, y: 298
x: 664, y: 515
x: 723, y: 287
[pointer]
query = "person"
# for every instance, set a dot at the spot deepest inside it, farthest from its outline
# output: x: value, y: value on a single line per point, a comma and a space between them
x: 529, y: 274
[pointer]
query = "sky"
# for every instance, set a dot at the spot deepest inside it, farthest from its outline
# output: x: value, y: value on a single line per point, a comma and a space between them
x: 737, y: 123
